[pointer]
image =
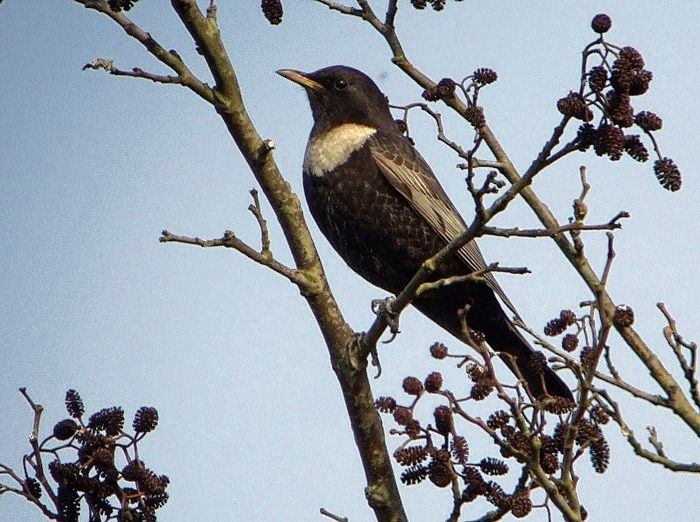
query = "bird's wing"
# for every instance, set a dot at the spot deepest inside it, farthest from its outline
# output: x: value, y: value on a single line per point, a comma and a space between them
x: 410, y: 175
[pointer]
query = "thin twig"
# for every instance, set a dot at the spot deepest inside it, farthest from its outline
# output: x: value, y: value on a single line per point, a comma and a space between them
x: 333, y: 516
x: 654, y: 441
x: 264, y: 232
x: 479, y: 163
x: 136, y: 72
x: 609, y: 261
x: 169, y: 58
x: 552, y: 158
x: 341, y: 8
x: 441, y: 136
x: 229, y: 240
x: 637, y: 447
x: 676, y: 342
x: 540, y: 162
x: 580, y: 212
x: 38, y: 409
x: 473, y: 277
x: 613, y: 224
x: 391, y: 10
x: 24, y: 492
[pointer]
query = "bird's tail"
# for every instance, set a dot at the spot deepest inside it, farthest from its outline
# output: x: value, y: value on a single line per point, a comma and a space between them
x: 517, y: 353
x: 486, y: 315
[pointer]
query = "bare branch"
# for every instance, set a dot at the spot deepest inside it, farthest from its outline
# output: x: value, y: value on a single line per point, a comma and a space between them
x: 654, y: 441
x: 608, y: 263
x: 580, y: 211
x: 652, y: 456
x: 24, y: 492
x: 38, y: 409
x: 169, y: 58
x: 332, y: 516
x: 391, y: 10
x: 229, y: 240
x: 479, y: 163
x: 613, y: 224
x: 474, y: 276
x: 264, y: 232
x: 341, y: 8
x: 108, y: 65
x: 677, y: 344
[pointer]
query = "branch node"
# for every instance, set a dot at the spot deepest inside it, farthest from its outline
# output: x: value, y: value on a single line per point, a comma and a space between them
x: 268, y: 145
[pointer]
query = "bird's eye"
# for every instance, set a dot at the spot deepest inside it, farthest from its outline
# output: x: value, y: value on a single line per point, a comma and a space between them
x: 340, y: 84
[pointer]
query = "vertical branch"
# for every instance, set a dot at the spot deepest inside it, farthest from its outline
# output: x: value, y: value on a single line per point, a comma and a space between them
x: 38, y: 409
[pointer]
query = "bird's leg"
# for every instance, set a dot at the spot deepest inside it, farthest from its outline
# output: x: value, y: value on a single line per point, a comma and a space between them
x: 358, y: 346
x: 382, y: 307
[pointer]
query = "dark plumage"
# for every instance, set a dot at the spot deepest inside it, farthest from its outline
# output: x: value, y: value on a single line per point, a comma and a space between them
x: 380, y: 206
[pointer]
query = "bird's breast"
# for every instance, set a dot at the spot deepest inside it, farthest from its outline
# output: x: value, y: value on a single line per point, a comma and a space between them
x: 328, y: 150
x: 369, y: 223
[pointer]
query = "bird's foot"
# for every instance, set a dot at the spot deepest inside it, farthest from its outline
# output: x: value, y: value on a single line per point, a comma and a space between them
x: 359, y: 347
x: 382, y: 307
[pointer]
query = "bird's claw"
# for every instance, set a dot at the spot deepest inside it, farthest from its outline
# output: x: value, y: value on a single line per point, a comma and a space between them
x: 391, y: 337
x: 382, y: 307
x: 358, y: 344
x: 374, y: 359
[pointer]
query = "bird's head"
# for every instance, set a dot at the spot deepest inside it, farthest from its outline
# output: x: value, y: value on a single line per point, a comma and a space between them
x: 340, y: 94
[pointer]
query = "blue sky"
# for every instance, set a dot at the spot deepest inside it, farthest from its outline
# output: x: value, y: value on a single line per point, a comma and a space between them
x: 93, y: 167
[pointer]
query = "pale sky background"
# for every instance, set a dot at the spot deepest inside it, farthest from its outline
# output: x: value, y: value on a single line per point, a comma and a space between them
x: 93, y: 167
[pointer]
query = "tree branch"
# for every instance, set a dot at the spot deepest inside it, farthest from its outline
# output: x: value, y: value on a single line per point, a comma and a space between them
x: 229, y: 240
x: 474, y: 276
x: 108, y: 65
x: 613, y: 224
x: 677, y: 344
x: 169, y: 58
x: 637, y: 447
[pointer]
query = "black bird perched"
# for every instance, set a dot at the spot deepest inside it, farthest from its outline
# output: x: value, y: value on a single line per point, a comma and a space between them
x: 382, y: 209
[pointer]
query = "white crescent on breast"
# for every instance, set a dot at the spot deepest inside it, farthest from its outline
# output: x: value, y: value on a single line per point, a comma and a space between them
x: 332, y: 148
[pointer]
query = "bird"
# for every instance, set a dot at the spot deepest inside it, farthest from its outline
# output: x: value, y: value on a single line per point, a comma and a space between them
x: 382, y: 209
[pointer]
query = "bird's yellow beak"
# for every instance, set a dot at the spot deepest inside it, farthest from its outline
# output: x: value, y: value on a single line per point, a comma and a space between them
x: 301, y: 79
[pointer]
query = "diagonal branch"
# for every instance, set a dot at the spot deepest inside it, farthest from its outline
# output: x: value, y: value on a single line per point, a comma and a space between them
x: 169, y: 58
x: 652, y: 456
x: 474, y: 276
x: 229, y: 240
x: 341, y: 8
x: 38, y: 410
x: 677, y: 344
